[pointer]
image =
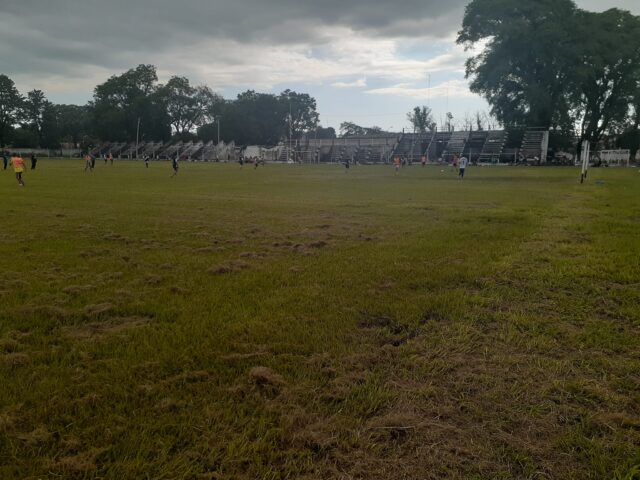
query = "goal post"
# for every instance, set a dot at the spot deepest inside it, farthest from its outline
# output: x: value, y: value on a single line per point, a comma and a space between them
x: 586, y: 155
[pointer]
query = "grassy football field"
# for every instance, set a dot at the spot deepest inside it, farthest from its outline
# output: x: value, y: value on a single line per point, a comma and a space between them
x: 300, y: 322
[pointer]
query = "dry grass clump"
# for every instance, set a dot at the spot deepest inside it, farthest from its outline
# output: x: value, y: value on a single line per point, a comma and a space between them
x: 226, y: 268
x: 263, y: 376
x: 14, y: 359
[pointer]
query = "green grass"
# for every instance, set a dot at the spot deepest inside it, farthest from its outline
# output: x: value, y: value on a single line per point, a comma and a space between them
x: 409, y: 327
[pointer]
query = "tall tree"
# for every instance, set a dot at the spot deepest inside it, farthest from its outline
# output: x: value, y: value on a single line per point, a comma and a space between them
x: 34, y: 107
x: 350, y: 129
x: 608, y: 69
x: 123, y: 101
x: 51, y: 127
x: 10, y: 107
x: 630, y: 137
x: 181, y: 104
x: 254, y: 119
x: 324, y: 133
x: 527, y: 61
x: 74, y: 123
x: 422, y: 119
x: 302, y: 109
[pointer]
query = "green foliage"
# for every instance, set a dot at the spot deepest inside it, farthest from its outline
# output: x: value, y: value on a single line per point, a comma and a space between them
x: 74, y: 123
x: 525, y: 65
x: 608, y: 72
x: 350, y: 129
x: 122, y: 100
x: 325, y: 133
x: 255, y: 118
x: 10, y: 108
x: 422, y: 119
x: 550, y: 64
x: 33, y: 111
x: 302, y: 110
x: 188, y: 107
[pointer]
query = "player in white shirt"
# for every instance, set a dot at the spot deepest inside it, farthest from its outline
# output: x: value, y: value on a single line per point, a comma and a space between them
x: 462, y: 165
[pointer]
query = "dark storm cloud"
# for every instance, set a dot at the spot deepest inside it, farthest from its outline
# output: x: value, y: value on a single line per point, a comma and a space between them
x: 57, y: 35
x: 71, y: 40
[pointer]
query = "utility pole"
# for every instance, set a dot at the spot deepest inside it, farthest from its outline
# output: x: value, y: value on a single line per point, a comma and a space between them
x: 218, y: 122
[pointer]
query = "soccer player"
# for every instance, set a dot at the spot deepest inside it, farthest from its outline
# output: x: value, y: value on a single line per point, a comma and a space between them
x: 87, y: 162
x: 174, y: 164
x: 463, y: 165
x: 18, y: 167
x: 146, y: 161
x: 5, y: 160
x: 396, y: 163
x: 111, y: 158
x: 34, y: 161
x: 454, y: 164
x: 423, y: 160
x: 347, y: 165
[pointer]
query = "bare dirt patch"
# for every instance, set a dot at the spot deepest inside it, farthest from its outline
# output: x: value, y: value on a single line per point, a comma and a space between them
x: 75, y: 290
x: 99, y: 330
x: 99, y: 310
x: 253, y: 255
x: 263, y: 377
x: 94, y: 253
x: 9, y: 345
x: 49, y: 312
x: 13, y: 360
x: 39, y: 436
x: 79, y: 464
x: 170, y: 405
x: 318, y: 244
x: 226, y: 268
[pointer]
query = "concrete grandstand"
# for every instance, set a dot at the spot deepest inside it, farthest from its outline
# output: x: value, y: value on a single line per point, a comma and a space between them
x: 494, y: 146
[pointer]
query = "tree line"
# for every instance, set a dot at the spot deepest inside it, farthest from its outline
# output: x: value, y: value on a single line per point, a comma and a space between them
x: 134, y: 105
x: 550, y: 64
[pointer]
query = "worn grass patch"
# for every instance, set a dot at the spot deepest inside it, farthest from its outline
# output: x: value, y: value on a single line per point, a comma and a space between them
x: 296, y: 322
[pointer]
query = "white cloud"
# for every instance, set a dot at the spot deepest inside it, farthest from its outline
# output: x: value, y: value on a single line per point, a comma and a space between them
x: 359, y: 83
x: 451, y: 89
x: 345, y: 56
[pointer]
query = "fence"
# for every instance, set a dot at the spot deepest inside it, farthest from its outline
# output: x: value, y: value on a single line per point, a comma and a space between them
x: 40, y: 152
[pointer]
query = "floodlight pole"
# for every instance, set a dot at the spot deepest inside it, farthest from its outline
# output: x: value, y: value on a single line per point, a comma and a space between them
x: 290, y: 133
x: 218, y: 122
x: 137, y: 137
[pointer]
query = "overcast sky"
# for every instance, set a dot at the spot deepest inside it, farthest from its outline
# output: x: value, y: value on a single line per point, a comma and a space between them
x: 364, y: 61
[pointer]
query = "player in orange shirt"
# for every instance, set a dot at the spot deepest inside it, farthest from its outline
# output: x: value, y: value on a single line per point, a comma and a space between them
x: 396, y: 162
x: 18, y: 167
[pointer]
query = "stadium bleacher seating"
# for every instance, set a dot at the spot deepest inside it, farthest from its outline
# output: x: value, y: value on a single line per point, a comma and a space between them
x: 532, y: 144
x: 493, y: 147
x: 475, y: 145
x: 456, y: 144
x: 438, y: 146
x: 478, y: 146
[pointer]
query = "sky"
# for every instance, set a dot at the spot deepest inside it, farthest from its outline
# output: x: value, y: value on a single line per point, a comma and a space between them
x: 365, y: 61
